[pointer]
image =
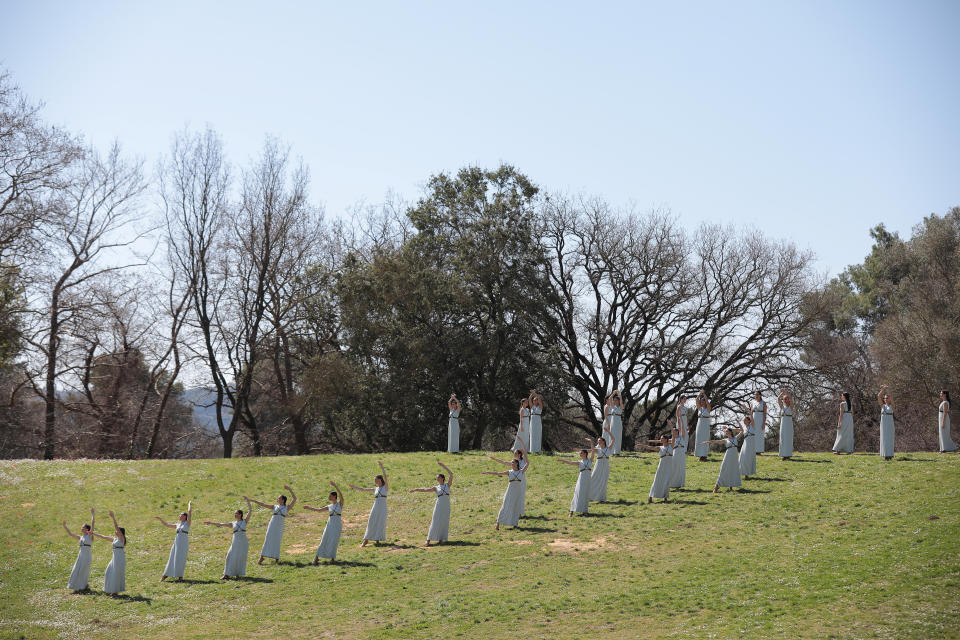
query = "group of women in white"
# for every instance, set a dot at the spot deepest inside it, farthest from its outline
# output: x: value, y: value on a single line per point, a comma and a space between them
x: 593, y: 472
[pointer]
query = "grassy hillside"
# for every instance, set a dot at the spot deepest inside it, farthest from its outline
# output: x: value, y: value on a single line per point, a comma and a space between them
x: 820, y: 547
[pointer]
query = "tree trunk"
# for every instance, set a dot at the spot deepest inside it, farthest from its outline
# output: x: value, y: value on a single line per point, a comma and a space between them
x: 50, y: 397
x: 300, y: 434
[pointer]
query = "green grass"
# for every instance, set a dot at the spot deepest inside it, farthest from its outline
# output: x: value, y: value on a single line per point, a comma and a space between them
x: 821, y: 547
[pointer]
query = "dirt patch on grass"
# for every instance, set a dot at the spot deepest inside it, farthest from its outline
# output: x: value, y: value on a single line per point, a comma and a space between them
x: 563, y: 544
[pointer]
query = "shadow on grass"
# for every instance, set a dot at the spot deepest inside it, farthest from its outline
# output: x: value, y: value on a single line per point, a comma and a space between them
x: 249, y: 579
x: 621, y: 501
x: 675, y: 501
x: 690, y: 490
x: 745, y: 490
x: 397, y: 546
x: 456, y: 543
x: 347, y: 563
x: 535, y: 529
x: 912, y: 460
x: 525, y: 517
x: 122, y: 597
x: 193, y: 581
x: 767, y: 479
x: 795, y: 459
x: 604, y: 515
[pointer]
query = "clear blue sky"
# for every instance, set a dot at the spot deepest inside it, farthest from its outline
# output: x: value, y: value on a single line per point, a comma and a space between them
x: 811, y: 120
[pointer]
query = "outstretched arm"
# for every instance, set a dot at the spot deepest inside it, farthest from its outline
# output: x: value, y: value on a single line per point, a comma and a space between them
x: 503, y: 462
x: 70, y: 533
x: 449, y: 473
x: 309, y: 508
x: 422, y: 490
x: 383, y: 472
x: 293, y: 497
x: 100, y: 535
x: 165, y: 523
x: 572, y: 464
x: 218, y: 524
x: 494, y: 473
x: 368, y: 489
x: 257, y: 502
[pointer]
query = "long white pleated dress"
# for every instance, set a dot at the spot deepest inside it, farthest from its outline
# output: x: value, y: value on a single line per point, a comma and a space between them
x: 330, y: 539
x: 616, y: 430
x: 946, y: 442
x: 377, y: 522
x: 440, y: 522
x: 453, y: 432
x: 730, y: 467
x: 703, y: 433
x: 581, y: 492
x: 600, y: 474
x: 509, y: 514
x: 678, y: 467
x: 522, y: 431
x: 536, y: 430
x: 886, y: 431
x: 660, y: 489
x: 759, y: 427
x: 177, y: 561
x: 236, y: 563
x: 844, y: 441
x: 80, y: 576
x: 274, y: 537
x: 786, y: 432
x: 523, y: 489
x: 115, y: 577
x: 748, y: 455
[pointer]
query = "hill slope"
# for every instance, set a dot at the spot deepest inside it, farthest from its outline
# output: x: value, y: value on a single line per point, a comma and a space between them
x: 823, y: 546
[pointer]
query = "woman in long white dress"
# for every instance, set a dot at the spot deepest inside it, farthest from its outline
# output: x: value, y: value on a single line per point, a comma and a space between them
x: 80, y: 575
x: 453, y: 424
x: 273, y: 539
x: 522, y: 437
x: 785, y: 402
x: 536, y: 422
x: 601, y: 467
x: 440, y: 522
x: 235, y: 565
x: 748, y: 455
x: 660, y: 489
x: 887, y: 431
x: 377, y: 521
x: 729, y: 475
x: 519, y: 454
x: 702, y: 450
x: 177, y: 561
x: 945, y: 441
x: 115, y: 577
x: 844, y: 441
x: 509, y: 514
x: 678, y: 477
x: 759, y: 423
x: 330, y: 539
x: 614, y: 418
x: 581, y: 492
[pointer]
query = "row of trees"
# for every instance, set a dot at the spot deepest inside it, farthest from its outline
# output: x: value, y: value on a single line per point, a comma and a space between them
x: 349, y: 335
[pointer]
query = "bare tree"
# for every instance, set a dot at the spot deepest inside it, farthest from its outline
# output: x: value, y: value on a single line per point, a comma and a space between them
x: 640, y: 305
x: 88, y: 224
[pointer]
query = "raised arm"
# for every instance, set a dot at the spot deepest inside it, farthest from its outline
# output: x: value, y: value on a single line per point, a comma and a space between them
x: 165, y: 523
x: 383, y: 472
x: 116, y: 528
x: 880, y: 396
x: 249, y: 510
x: 93, y: 519
x: 339, y: 493
x: 613, y: 438
x: 293, y: 497
x: 189, y: 512
x: 70, y: 533
x: 783, y: 392
x: 452, y: 403
x: 449, y: 473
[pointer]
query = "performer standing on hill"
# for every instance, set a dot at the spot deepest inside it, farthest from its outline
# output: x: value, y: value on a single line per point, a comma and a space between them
x: 729, y: 475
x: 330, y: 539
x: 235, y: 565
x: 885, y: 400
x: 453, y: 424
x: 613, y: 414
x: 523, y: 430
x: 944, y: 439
x: 377, y: 522
x: 601, y: 467
x: 844, y: 441
x: 274, y: 538
x: 115, y: 577
x: 678, y: 474
x: 660, y: 489
x: 509, y: 514
x: 759, y: 423
x: 177, y: 561
x: 536, y: 422
x: 748, y: 456
x: 519, y: 455
x: 581, y: 492
x: 702, y: 450
x: 785, y: 402
x: 440, y: 522
x: 80, y: 575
